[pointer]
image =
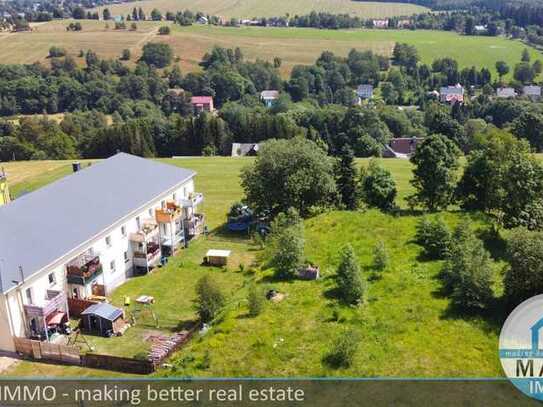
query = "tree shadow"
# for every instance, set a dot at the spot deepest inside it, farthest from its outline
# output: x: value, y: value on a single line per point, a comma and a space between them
x: 494, y: 243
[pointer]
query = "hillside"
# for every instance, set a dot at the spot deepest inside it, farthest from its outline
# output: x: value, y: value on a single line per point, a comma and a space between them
x: 260, y: 8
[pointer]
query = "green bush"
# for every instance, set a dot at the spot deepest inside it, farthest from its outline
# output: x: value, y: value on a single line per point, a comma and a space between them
x: 209, y: 298
x: 255, y: 298
x: 380, y: 256
x: 349, y: 281
x: 286, y: 244
x: 434, y: 237
x: 343, y: 350
x: 378, y: 188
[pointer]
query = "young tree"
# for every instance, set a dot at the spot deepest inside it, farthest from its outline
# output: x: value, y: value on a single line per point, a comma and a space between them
x: 343, y: 350
x: 209, y: 298
x: 468, y: 271
x: 378, y: 188
x: 525, y: 55
x: 436, y: 166
x: 349, y: 281
x: 255, y: 299
x: 164, y: 30
x: 380, y: 256
x: 288, y: 252
x: 502, y: 68
x: 346, y: 178
x: 106, y: 14
x: 434, y: 237
x: 289, y: 173
x: 125, y: 56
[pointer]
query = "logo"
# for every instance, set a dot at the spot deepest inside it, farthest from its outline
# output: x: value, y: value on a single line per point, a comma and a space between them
x: 521, y: 347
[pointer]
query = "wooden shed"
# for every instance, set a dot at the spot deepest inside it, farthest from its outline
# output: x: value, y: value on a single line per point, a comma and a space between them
x: 217, y: 257
x: 103, y: 319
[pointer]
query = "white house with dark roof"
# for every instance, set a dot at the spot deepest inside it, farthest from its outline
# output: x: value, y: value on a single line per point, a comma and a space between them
x: 269, y: 97
x: 506, y: 93
x: 88, y: 233
x: 532, y: 91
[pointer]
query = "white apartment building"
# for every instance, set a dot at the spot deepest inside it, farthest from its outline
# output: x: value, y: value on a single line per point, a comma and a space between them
x: 86, y: 234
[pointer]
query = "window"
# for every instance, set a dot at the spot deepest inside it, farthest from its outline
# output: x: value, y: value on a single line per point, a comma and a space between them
x: 174, y: 196
x: 184, y: 192
x: 108, y: 241
x: 52, y: 279
x: 163, y: 204
x: 112, y: 266
x: 126, y: 259
x: 123, y: 230
x: 151, y: 212
x: 29, y: 298
x: 138, y: 223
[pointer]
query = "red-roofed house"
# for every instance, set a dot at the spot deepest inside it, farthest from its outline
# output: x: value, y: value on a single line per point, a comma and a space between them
x: 202, y: 104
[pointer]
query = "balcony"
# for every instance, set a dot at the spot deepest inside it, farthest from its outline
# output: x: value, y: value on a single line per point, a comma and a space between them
x: 83, y: 269
x: 195, y: 224
x: 151, y: 258
x: 148, y: 232
x: 194, y: 199
x: 53, y: 301
x: 171, y: 212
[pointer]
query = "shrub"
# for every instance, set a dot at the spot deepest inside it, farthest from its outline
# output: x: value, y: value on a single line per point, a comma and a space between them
x: 378, y: 188
x: 380, y: 256
x: 125, y: 56
x: 164, y: 30
x: 286, y: 244
x: 156, y: 54
x: 349, y: 281
x: 434, y: 237
x: 343, y: 350
x: 255, y: 299
x: 468, y: 272
x: 209, y: 298
x: 56, y: 52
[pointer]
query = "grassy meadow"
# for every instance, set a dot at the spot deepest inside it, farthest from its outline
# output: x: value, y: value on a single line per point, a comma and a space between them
x: 304, y: 45
x: 407, y: 326
x: 276, y: 8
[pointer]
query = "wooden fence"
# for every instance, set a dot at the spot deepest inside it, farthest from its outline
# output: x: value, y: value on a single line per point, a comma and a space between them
x: 47, y: 351
x: 117, y: 364
x: 77, y: 306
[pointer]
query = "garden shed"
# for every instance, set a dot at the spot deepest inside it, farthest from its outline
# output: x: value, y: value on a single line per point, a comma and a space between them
x: 217, y: 257
x: 103, y: 319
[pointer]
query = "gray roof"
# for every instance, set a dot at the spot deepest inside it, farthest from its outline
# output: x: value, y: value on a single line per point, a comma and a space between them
x: 506, y: 92
x: 269, y: 94
x: 39, y: 228
x: 104, y: 310
x: 452, y: 90
x: 532, y: 90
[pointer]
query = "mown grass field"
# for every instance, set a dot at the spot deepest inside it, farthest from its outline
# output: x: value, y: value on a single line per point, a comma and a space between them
x: 304, y: 45
x: 276, y: 8
x: 407, y: 326
x: 29, y: 47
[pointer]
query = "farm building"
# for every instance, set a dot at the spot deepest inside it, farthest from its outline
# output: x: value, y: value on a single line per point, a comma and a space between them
x: 401, y: 147
x: 452, y: 94
x: 244, y: 149
x: 79, y: 237
x: 202, y: 104
x: 269, y: 96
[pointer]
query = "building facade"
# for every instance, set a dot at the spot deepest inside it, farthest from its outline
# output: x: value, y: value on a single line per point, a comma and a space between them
x: 84, y: 235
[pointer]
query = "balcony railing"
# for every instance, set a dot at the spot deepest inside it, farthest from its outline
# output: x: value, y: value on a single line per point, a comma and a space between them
x: 83, y: 269
x: 195, y: 224
x: 149, y: 259
x: 194, y: 199
x: 171, y: 212
x: 148, y: 232
x: 53, y: 301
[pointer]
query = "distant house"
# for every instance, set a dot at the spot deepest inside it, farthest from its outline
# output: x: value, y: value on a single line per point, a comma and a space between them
x: 452, y: 94
x: 506, y: 93
x: 380, y: 23
x: 269, y: 96
x: 364, y: 91
x: 532, y: 91
x: 175, y: 92
x: 202, y: 104
x: 402, y: 147
x: 202, y: 20
x: 480, y: 29
x: 244, y: 149
x: 404, y: 23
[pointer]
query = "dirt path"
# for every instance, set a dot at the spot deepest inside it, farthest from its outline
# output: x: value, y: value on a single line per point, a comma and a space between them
x: 146, y: 38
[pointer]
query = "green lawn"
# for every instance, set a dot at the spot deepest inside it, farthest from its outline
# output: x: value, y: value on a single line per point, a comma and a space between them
x: 304, y: 45
x: 407, y: 327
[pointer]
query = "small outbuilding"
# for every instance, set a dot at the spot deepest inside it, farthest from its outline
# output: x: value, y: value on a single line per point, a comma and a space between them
x: 217, y: 257
x: 103, y: 319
